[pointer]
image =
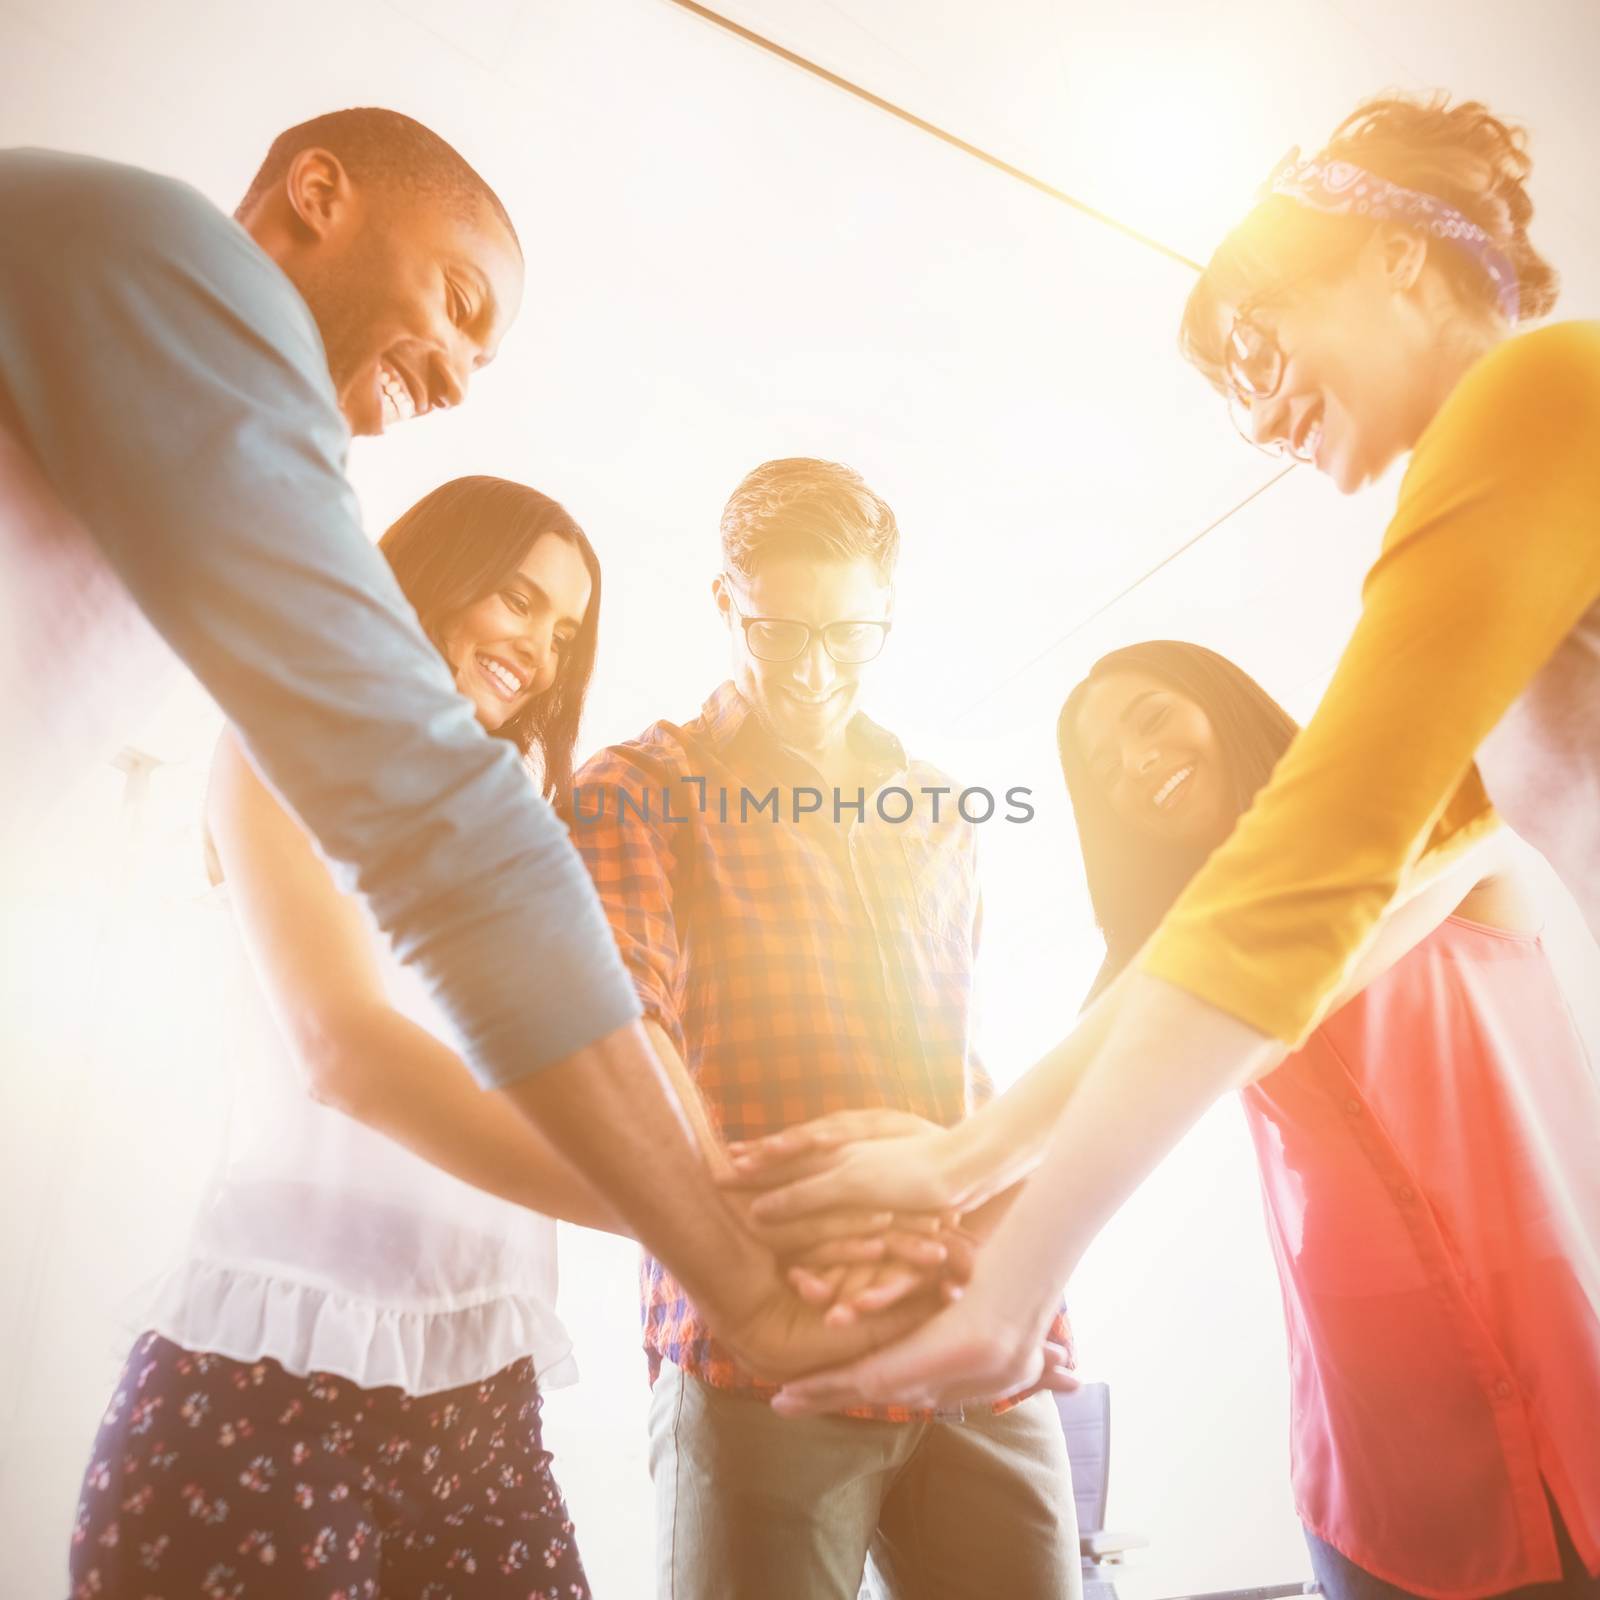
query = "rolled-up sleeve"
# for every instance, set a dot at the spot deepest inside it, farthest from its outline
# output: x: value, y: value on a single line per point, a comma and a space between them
x: 172, y: 386
x: 1492, y: 558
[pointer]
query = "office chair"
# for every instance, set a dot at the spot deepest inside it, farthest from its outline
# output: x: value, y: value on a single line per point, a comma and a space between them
x: 1086, y: 1422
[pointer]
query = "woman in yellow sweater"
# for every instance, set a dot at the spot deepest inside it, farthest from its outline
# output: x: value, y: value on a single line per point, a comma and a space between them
x: 1365, y: 308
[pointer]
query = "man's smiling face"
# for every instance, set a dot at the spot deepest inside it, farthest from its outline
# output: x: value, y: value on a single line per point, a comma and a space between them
x: 808, y: 701
x: 412, y: 295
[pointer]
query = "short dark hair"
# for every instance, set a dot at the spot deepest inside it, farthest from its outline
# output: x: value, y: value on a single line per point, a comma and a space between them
x: 462, y: 542
x: 807, y: 507
x: 382, y: 147
x: 1131, y: 885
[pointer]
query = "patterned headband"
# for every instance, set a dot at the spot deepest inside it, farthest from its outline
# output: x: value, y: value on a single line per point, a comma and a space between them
x: 1343, y: 189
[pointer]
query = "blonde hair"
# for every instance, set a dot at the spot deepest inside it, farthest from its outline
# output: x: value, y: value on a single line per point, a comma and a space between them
x: 802, y: 506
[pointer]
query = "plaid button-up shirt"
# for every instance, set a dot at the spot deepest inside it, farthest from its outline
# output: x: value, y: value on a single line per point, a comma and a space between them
x: 799, y: 966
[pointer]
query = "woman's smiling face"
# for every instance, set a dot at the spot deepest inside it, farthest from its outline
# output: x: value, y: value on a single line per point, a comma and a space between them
x: 1154, y: 756
x: 1357, y: 360
x: 506, y: 649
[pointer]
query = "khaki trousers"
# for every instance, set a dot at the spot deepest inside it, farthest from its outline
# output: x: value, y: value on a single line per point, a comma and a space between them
x: 750, y: 1506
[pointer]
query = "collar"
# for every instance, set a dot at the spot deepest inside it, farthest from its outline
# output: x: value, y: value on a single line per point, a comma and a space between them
x: 735, y: 731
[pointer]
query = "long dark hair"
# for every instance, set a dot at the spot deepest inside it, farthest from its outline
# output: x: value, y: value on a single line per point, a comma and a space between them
x: 1132, y: 881
x: 463, y: 542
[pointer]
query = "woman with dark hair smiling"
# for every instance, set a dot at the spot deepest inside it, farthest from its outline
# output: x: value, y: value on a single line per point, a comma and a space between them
x: 1235, y: 735
x: 479, y: 584
x: 340, y: 1390
x: 1414, y: 1253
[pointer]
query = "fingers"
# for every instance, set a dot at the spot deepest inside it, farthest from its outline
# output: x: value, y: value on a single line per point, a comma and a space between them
x: 855, y: 1280
x: 827, y: 1191
x: 842, y: 1253
x: 1057, y: 1376
x: 888, y: 1285
x: 847, y: 1224
x: 920, y: 1221
x: 959, y: 1354
x: 960, y: 1256
x: 816, y: 1288
x: 822, y: 1133
x: 753, y: 1158
x: 818, y: 1134
x: 917, y: 1249
x: 836, y: 1390
x: 859, y: 1383
x: 796, y: 1238
x: 750, y: 1172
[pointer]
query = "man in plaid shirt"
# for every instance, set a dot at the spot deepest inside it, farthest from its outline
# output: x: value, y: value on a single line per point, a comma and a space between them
x: 797, y: 904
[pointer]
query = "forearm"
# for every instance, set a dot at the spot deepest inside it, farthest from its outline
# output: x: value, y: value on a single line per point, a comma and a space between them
x: 783, y: 1244
x: 1000, y: 1144
x: 611, y: 1111
x: 982, y: 1220
x: 1166, y: 1059
x: 397, y: 1078
x: 1003, y: 1142
x: 682, y: 1085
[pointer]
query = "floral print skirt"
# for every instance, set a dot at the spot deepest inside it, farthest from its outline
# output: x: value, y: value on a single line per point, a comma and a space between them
x: 214, y: 1479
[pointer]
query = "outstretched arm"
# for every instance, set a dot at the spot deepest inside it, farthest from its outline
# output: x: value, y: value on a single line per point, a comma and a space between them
x: 1490, y: 562
x: 315, y: 956
x: 221, y: 505
x: 850, y: 1159
x: 982, y: 1345
x: 1125, y: 1113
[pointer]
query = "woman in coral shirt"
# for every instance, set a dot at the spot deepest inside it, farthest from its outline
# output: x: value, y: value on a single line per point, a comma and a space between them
x: 1427, y: 1167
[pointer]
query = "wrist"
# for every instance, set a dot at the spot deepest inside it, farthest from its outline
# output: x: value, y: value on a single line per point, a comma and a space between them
x: 966, y: 1161
x: 1007, y: 1305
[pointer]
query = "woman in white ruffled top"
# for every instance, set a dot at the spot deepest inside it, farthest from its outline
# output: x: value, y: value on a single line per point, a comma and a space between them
x: 339, y: 1393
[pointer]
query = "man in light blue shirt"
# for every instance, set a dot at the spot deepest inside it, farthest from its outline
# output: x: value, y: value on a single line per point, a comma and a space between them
x: 177, y: 391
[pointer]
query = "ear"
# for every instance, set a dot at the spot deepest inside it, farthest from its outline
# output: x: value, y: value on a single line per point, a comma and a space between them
x: 722, y: 597
x: 1396, y: 256
x: 320, y: 192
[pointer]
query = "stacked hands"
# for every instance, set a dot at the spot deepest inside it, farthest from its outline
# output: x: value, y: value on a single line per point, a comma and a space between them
x: 863, y: 1210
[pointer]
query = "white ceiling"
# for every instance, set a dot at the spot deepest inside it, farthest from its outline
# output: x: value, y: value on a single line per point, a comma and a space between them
x: 1166, y: 114
x: 730, y: 260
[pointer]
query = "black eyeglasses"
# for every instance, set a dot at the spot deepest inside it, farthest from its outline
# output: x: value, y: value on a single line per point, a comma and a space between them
x: 784, y: 639
x: 1253, y: 363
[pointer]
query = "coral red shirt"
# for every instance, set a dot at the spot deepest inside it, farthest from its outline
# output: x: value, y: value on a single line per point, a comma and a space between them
x: 1430, y: 1161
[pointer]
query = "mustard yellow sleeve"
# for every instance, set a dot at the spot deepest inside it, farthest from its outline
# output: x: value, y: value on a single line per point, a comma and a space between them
x: 1491, y: 559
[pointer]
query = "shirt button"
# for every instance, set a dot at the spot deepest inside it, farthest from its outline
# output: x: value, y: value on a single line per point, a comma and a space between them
x: 1405, y: 1194
x: 1503, y: 1389
x: 1352, y: 1108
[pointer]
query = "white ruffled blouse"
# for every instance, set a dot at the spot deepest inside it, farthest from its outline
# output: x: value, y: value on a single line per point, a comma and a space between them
x: 330, y: 1248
